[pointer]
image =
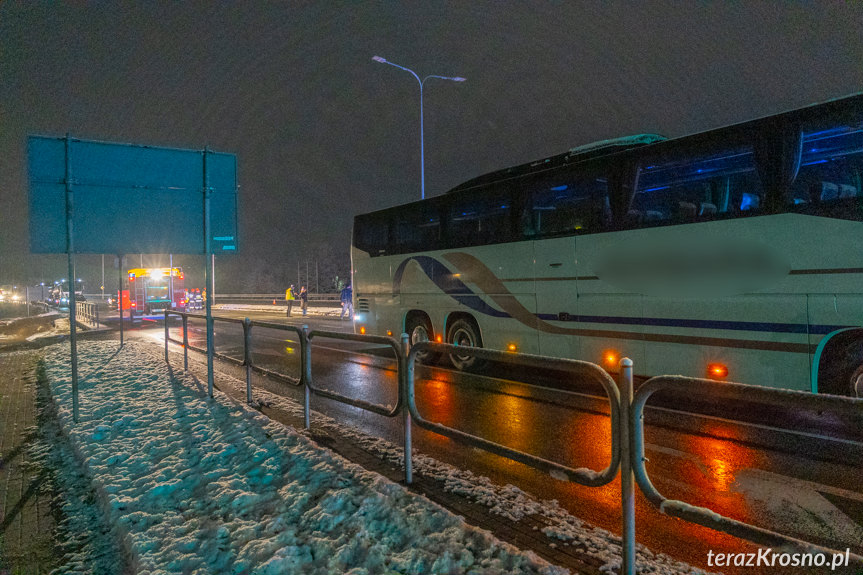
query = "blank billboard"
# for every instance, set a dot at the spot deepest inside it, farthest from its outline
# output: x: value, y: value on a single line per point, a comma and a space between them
x: 129, y: 198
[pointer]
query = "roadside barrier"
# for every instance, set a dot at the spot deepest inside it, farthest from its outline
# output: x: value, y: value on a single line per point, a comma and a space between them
x: 626, y: 420
x: 87, y: 312
x: 828, y: 404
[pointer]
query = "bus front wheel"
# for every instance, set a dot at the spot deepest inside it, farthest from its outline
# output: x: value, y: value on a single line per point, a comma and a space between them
x: 464, y: 333
x: 419, y: 329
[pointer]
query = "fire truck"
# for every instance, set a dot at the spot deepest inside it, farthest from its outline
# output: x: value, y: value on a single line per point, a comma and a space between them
x: 153, y: 290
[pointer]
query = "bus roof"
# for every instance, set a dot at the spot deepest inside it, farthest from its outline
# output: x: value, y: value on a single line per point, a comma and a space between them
x: 579, y: 153
x: 615, y: 145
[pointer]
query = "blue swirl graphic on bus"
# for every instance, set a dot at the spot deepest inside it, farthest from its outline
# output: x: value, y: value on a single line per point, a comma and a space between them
x: 448, y: 282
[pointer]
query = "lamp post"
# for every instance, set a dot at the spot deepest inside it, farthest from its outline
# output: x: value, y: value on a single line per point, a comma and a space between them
x: 422, y: 142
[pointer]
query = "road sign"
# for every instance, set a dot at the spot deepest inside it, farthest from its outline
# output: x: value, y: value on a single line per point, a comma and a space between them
x: 129, y: 198
x: 103, y: 197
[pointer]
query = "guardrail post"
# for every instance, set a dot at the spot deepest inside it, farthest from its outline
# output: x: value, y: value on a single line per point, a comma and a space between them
x: 627, y: 482
x: 166, y: 337
x: 406, y: 382
x: 185, y: 343
x: 306, y: 374
x: 247, y: 356
x: 97, y: 317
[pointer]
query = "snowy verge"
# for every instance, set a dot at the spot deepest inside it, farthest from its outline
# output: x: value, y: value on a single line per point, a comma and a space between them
x: 82, y: 544
x: 507, y: 501
x: 195, y: 485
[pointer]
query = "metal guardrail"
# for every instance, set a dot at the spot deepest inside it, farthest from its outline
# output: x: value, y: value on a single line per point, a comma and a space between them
x: 87, y: 312
x: 841, y: 406
x: 580, y: 475
x: 279, y: 298
x: 625, y: 413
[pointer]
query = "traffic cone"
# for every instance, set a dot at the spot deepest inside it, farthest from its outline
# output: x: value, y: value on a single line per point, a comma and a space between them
x: 274, y: 302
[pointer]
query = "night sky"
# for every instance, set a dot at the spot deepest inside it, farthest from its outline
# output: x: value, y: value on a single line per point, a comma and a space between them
x: 321, y: 132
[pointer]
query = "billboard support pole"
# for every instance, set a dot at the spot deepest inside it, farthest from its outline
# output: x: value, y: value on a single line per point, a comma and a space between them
x: 120, y: 293
x: 208, y: 275
x: 73, y: 339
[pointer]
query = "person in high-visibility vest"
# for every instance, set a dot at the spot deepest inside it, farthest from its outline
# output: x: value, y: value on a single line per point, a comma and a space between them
x: 289, y: 297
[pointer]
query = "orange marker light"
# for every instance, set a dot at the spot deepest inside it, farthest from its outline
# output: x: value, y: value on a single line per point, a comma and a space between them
x: 610, y: 358
x: 717, y: 371
x: 439, y: 339
x: 512, y: 347
x: 389, y: 333
x: 362, y: 330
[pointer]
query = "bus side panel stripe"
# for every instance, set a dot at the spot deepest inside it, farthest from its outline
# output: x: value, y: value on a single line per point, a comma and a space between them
x: 488, y: 283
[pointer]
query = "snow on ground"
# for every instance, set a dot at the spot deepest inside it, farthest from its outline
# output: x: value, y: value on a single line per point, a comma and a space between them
x: 61, y: 327
x: 317, y: 311
x: 193, y: 485
x: 507, y: 501
x: 84, y: 543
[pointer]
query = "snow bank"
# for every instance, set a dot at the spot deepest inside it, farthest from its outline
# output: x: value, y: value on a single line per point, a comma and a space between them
x: 194, y: 485
x: 507, y: 501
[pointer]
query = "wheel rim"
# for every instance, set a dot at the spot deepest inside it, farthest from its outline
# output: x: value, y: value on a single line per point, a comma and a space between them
x: 857, y: 385
x: 463, y: 337
x: 419, y: 334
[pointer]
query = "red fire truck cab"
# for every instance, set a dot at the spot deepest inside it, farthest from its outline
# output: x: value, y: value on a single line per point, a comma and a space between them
x: 153, y: 290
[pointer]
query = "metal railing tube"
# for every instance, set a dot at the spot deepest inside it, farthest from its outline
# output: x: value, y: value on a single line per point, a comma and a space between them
x: 707, y: 517
x: 362, y: 404
x: 166, y: 337
x: 185, y: 342
x: 247, y: 356
x: 627, y: 484
x: 306, y: 374
x: 405, y: 371
x: 581, y: 475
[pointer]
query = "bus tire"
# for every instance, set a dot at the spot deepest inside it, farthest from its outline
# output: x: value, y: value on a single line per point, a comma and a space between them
x: 464, y: 332
x: 857, y: 382
x: 840, y: 372
x: 419, y: 329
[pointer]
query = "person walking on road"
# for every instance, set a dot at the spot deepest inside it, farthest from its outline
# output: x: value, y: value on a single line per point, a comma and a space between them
x: 347, y: 303
x: 290, y: 297
x: 304, y: 299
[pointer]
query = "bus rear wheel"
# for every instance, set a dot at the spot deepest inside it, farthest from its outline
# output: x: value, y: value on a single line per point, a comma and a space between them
x: 464, y: 333
x: 419, y: 329
x: 842, y: 373
x: 857, y: 383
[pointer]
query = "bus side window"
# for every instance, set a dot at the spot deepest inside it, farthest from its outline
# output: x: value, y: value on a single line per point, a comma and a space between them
x: 830, y: 177
x: 485, y: 218
x: 418, y: 228
x: 568, y: 204
x: 371, y: 234
x: 686, y: 188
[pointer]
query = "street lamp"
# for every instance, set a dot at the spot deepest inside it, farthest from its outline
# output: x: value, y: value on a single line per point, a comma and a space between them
x: 422, y: 144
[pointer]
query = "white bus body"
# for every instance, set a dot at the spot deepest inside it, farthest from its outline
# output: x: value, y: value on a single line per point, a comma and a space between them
x: 735, y: 254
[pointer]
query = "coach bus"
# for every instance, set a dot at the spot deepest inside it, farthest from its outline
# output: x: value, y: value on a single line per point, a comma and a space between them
x: 734, y: 254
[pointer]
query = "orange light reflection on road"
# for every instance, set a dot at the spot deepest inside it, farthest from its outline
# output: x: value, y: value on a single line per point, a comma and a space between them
x: 719, y: 461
